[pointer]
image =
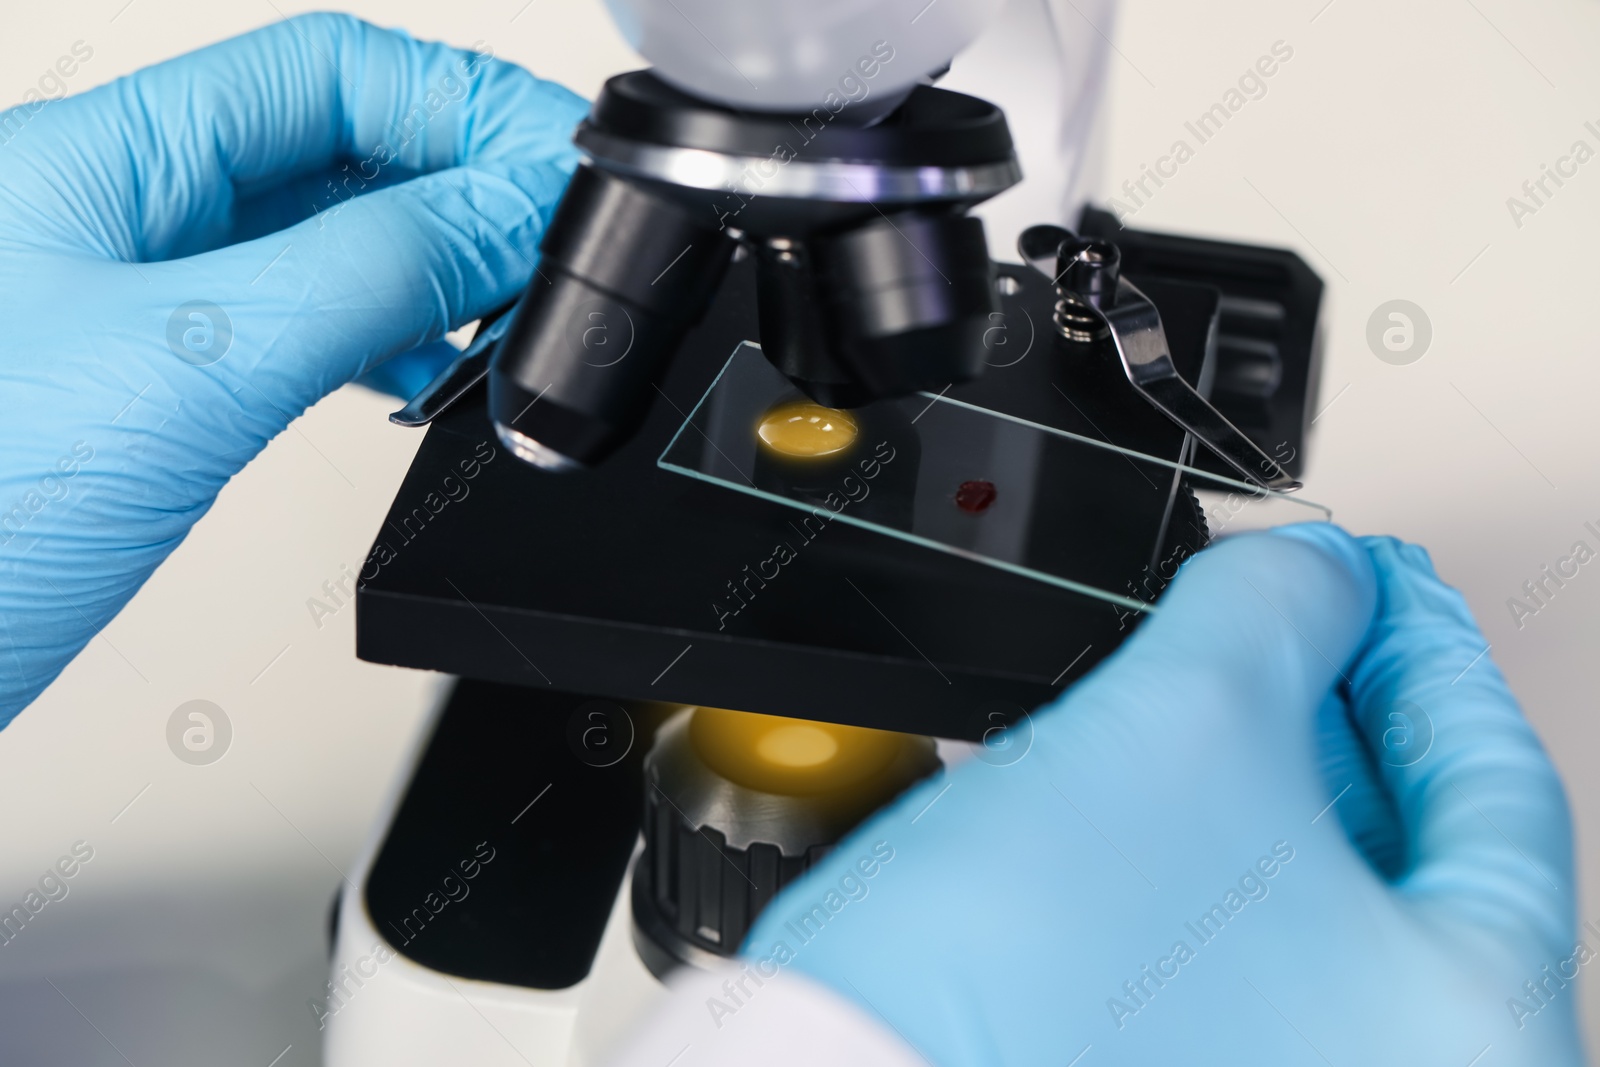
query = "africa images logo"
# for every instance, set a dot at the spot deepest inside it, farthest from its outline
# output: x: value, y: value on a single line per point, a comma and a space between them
x: 1252, y: 887
x: 199, y: 333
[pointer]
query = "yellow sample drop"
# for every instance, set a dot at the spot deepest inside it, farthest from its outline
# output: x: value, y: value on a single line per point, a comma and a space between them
x: 801, y: 429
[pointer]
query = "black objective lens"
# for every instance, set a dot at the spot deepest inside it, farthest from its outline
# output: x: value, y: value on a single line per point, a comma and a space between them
x: 871, y: 280
x: 623, y: 274
x: 888, y: 307
x: 908, y: 298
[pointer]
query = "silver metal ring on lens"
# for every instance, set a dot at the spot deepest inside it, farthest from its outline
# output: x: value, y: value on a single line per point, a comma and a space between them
x: 824, y: 179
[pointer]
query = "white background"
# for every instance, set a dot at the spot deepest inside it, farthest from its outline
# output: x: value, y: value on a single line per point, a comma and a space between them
x: 1384, y: 152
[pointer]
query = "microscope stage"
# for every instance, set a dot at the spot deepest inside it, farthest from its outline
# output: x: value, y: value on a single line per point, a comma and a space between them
x: 617, y: 581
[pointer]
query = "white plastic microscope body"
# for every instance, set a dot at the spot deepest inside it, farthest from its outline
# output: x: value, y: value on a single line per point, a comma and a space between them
x: 1044, y: 63
x: 788, y: 55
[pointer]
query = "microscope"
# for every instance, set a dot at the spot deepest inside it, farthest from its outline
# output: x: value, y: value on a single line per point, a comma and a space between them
x: 773, y: 495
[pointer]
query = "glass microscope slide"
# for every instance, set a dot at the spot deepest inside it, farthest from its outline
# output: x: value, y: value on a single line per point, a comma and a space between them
x: 1055, y: 507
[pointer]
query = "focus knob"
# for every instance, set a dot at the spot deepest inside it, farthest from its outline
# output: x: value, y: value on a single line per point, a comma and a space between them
x: 737, y: 806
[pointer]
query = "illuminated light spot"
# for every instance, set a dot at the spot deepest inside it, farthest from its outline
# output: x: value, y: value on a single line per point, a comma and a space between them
x: 797, y: 745
x: 792, y: 757
x: 975, y: 497
x: 801, y: 429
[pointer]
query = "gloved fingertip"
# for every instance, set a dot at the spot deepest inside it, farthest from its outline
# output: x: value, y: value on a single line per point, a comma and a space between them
x: 1397, y: 553
x: 1412, y: 588
x: 407, y: 374
x: 1267, y: 604
x: 1331, y: 539
x: 1338, y: 559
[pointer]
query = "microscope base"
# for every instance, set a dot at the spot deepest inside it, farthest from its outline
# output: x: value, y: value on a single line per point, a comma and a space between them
x: 408, y: 1014
x: 488, y: 919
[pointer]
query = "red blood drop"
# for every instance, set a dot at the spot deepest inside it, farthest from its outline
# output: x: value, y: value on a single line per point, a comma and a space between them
x: 975, y: 497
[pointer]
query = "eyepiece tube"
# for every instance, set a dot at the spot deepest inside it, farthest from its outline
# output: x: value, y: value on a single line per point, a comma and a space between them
x: 623, y: 274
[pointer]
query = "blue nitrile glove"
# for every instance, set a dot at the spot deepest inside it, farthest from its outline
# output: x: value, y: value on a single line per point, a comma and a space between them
x: 1297, y: 819
x: 170, y: 304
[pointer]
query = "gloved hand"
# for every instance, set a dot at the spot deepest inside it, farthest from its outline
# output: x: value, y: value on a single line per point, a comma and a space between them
x: 1297, y: 819
x: 170, y: 305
